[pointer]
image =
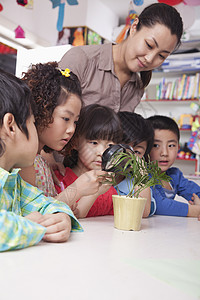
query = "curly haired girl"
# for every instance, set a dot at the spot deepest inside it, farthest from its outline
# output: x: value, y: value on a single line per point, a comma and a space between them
x: 57, y: 97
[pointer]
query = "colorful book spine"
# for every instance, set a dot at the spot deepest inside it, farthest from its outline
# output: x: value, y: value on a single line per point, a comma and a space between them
x: 194, y: 86
x: 190, y: 89
x: 181, y: 87
x: 171, y: 96
x: 196, y: 95
x: 186, y: 88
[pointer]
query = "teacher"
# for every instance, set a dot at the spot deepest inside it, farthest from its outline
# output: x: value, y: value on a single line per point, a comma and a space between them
x: 116, y: 75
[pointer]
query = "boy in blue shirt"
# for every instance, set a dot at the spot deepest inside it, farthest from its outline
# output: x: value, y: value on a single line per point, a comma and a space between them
x: 165, y: 149
x: 26, y: 215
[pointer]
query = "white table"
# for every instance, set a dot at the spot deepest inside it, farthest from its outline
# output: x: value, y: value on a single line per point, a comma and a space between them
x: 162, y: 261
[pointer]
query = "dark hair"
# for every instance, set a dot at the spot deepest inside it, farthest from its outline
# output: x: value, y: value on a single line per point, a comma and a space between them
x: 165, y: 15
x: 136, y: 129
x: 15, y: 98
x: 49, y: 89
x: 96, y: 122
x: 164, y: 123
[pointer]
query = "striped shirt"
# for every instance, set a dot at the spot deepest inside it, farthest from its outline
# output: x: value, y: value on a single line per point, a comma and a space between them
x: 18, y: 199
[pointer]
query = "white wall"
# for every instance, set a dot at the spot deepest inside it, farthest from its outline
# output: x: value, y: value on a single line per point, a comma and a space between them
x: 40, y: 55
x: 101, y: 19
x: 40, y: 22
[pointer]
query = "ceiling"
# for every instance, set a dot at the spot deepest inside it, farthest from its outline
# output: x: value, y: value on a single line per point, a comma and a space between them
x: 121, y: 7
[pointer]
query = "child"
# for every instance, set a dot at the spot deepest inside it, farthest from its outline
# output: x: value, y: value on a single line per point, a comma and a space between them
x: 98, y: 128
x: 26, y: 215
x: 138, y: 133
x: 57, y: 97
x: 164, y: 151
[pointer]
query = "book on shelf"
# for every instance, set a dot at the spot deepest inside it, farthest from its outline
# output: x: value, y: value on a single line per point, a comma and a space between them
x: 185, y: 94
x: 172, y: 90
x: 168, y: 90
x: 181, y: 62
x: 191, y: 85
x: 195, y: 93
x: 183, y: 88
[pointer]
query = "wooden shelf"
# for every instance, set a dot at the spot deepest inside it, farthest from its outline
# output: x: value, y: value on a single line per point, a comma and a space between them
x: 175, y: 100
x: 189, y: 159
x: 182, y: 129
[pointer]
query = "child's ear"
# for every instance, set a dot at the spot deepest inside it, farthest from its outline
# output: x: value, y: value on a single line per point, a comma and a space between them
x: 9, y: 124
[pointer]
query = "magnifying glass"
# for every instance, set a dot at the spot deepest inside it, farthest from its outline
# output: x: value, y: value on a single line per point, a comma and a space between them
x: 109, y: 156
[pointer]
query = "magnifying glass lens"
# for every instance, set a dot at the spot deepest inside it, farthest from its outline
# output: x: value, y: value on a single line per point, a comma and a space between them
x: 112, y: 161
x: 109, y: 158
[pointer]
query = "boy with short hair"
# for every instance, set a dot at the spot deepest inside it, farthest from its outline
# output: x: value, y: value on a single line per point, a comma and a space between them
x: 26, y: 215
x: 164, y: 151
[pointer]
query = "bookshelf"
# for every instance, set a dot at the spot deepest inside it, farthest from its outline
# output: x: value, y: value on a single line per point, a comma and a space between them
x: 179, y: 66
x: 173, y: 109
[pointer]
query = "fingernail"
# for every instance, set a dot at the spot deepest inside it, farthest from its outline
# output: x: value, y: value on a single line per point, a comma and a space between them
x: 62, y: 186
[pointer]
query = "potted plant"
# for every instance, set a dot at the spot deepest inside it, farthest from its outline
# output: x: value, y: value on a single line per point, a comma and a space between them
x: 139, y: 175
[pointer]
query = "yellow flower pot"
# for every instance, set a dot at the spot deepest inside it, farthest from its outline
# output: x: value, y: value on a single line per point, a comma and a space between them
x: 128, y: 212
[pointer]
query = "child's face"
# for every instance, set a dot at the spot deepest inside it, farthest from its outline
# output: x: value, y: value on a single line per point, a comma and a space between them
x: 90, y: 153
x: 65, y: 117
x: 26, y: 149
x: 165, y: 148
x: 140, y: 149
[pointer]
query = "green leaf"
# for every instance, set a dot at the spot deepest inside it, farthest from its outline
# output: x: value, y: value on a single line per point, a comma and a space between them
x: 141, y: 174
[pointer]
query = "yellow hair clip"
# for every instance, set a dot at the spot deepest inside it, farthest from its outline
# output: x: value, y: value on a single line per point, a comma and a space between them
x: 66, y: 73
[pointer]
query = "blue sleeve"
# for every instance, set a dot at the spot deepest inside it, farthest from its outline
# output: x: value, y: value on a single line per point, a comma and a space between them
x: 124, y: 187
x: 17, y: 232
x: 168, y: 207
x: 32, y: 199
x: 185, y: 187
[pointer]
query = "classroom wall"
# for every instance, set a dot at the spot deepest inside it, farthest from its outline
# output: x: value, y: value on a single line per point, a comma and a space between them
x: 40, y: 23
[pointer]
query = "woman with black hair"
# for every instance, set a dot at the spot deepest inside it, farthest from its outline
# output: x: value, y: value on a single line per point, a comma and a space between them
x: 109, y: 74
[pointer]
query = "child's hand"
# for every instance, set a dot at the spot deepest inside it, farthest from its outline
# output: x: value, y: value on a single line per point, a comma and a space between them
x: 54, y: 167
x: 74, y: 208
x: 85, y: 185
x: 58, y: 227
x: 89, y: 182
x: 76, y: 212
x: 195, y: 200
x: 103, y: 189
x: 35, y: 217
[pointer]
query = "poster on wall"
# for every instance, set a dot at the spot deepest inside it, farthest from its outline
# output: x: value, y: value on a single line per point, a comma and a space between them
x: 79, y: 36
